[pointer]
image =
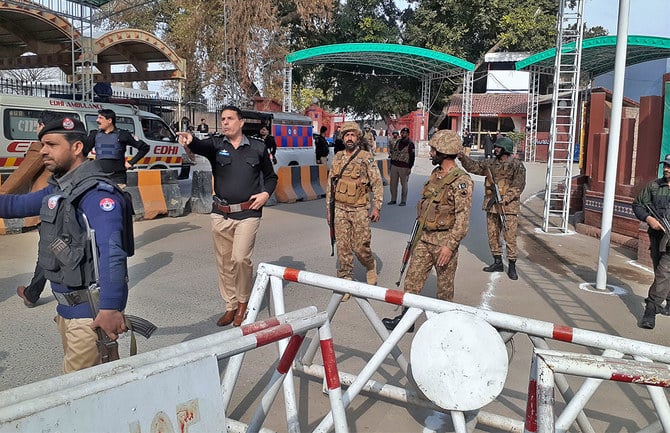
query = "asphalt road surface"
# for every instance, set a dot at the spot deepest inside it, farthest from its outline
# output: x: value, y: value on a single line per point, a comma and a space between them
x: 173, y: 284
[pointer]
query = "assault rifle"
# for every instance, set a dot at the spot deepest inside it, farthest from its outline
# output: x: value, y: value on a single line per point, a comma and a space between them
x: 108, y: 349
x: 496, y: 200
x: 665, y: 224
x: 331, y: 213
x: 408, y: 249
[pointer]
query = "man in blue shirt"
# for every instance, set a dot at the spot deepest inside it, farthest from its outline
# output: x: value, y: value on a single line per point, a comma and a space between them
x: 78, y: 191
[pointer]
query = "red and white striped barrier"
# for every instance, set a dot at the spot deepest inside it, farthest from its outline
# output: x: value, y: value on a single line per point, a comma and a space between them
x: 539, y: 332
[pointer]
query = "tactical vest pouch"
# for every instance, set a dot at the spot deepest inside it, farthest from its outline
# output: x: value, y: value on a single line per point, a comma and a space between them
x: 439, y: 217
x: 346, y: 191
x: 48, y: 214
x: 68, y: 258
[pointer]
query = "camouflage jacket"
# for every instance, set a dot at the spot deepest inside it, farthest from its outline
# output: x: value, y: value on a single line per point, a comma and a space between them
x: 361, y: 172
x: 510, y: 176
x: 450, y: 204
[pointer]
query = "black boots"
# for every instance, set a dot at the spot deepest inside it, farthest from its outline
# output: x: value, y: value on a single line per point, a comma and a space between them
x: 649, y: 317
x: 496, y: 266
x: 511, y: 270
x: 392, y: 323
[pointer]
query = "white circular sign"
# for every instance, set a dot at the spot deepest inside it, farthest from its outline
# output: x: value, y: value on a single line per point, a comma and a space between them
x: 459, y: 361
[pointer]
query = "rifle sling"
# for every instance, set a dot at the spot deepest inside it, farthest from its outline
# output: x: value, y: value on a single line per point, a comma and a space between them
x: 339, y: 175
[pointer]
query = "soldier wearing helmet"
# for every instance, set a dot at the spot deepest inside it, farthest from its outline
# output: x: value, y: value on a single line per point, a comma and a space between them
x: 509, y: 174
x: 443, y: 216
x: 353, y: 175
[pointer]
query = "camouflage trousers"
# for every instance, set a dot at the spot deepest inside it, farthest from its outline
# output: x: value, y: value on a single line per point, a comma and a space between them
x: 494, y: 229
x: 352, y: 236
x: 424, y: 257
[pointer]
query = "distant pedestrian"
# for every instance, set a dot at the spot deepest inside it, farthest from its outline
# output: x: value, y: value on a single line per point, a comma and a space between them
x: 488, y: 145
x: 443, y: 215
x: 402, y: 155
x: 270, y: 143
x: 655, y: 197
x: 203, y: 127
x: 338, y: 142
x: 509, y: 175
x: 371, y: 138
x: 467, y: 142
x: 321, y: 146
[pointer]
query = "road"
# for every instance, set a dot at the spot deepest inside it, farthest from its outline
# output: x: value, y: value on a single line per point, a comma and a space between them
x: 173, y: 284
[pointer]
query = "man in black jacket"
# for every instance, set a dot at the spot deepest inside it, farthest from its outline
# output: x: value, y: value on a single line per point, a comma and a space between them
x: 321, y: 146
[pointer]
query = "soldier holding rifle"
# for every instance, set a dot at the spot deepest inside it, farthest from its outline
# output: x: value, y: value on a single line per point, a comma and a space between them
x: 443, y: 217
x: 505, y: 180
x: 78, y: 191
x: 350, y: 207
x: 652, y: 205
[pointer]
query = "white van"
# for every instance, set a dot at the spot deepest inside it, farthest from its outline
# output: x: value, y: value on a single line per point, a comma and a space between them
x: 19, y: 114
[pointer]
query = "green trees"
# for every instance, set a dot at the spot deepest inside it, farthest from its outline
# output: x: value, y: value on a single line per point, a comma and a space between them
x: 236, y: 48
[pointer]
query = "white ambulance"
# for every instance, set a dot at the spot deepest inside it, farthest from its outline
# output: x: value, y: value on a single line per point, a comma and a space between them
x: 18, y: 121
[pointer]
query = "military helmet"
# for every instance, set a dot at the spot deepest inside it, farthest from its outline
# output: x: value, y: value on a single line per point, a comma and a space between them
x: 350, y: 126
x: 505, y: 143
x: 447, y: 142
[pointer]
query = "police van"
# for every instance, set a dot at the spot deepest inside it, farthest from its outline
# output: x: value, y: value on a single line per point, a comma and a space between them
x: 292, y: 133
x: 19, y: 114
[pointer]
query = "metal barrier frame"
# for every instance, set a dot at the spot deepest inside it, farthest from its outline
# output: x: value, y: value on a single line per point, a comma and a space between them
x: 539, y: 333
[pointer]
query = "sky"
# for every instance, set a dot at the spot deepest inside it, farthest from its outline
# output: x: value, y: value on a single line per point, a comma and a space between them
x: 646, y: 17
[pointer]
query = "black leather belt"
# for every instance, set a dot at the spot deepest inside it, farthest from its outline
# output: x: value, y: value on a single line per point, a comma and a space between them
x: 71, y: 299
x: 232, y: 208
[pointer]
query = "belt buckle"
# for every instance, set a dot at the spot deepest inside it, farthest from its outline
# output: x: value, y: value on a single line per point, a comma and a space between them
x: 235, y: 207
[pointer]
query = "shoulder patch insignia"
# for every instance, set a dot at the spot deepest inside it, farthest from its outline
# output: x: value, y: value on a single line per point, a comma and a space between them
x: 462, y: 185
x: 53, y: 201
x: 107, y: 204
x: 371, y: 160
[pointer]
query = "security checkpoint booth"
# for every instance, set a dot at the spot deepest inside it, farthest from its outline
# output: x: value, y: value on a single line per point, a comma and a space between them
x: 457, y: 366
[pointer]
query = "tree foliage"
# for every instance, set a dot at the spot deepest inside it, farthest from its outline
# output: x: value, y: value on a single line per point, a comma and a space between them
x: 233, y: 47
x: 236, y: 48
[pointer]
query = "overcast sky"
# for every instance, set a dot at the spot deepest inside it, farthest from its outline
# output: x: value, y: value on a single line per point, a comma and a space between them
x: 646, y: 17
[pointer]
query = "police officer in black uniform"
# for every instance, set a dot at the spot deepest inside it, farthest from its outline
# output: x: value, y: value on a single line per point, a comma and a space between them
x: 110, y: 146
x: 79, y: 192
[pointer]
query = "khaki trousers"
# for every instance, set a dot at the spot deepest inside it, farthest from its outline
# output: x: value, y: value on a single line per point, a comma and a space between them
x: 233, y: 246
x: 79, y: 343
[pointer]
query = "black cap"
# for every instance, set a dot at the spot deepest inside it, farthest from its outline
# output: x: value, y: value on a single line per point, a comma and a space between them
x: 666, y: 160
x: 64, y: 125
x: 404, y: 130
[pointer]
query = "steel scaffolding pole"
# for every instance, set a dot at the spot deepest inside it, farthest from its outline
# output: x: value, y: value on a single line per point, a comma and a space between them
x: 287, y: 88
x: 531, y: 113
x: 466, y: 103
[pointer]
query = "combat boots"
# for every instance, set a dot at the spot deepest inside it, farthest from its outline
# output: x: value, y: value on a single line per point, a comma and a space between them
x: 511, y: 270
x: 649, y: 317
x: 392, y: 323
x: 496, y: 266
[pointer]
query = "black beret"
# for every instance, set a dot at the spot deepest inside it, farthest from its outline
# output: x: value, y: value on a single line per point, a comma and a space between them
x: 63, y: 125
x: 404, y: 130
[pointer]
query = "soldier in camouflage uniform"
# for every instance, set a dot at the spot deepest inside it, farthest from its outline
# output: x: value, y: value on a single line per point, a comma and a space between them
x: 354, y: 174
x: 443, y: 214
x: 509, y: 174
